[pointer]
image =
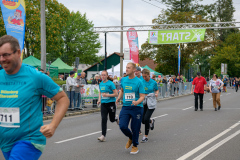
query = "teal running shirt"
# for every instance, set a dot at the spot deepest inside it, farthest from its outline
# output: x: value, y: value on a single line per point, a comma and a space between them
x: 150, y: 86
x: 107, y: 87
x: 21, y: 106
x: 132, y: 89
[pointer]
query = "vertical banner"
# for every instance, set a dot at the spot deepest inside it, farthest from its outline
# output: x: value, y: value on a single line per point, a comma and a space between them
x: 133, y: 44
x: 179, y: 59
x: 14, y: 17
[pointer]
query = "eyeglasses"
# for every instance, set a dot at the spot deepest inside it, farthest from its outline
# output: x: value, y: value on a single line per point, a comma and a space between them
x: 6, y: 55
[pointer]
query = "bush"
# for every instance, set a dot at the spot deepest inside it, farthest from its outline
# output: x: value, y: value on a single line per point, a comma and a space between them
x: 58, y: 81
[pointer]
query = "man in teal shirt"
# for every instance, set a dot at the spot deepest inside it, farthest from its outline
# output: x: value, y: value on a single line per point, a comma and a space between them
x: 23, y: 135
x: 133, y: 93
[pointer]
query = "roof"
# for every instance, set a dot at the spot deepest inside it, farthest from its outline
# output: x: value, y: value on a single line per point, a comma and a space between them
x: 115, y: 53
x: 148, y: 62
x: 32, y: 61
x: 151, y: 70
x: 62, y: 67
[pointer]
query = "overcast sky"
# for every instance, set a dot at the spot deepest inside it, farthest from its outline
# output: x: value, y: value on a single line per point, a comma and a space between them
x: 136, y: 12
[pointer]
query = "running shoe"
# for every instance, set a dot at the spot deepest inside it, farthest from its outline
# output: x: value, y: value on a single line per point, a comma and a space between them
x: 102, y: 138
x: 134, y: 150
x: 117, y: 119
x: 129, y: 143
x: 144, y: 140
x: 140, y: 132
x: 152, y: 127
x: 219, y: 107
x: 215, y: 109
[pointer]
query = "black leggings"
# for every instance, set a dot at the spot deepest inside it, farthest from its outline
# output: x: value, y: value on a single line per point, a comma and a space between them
x: 236, y: 87
x: 107, y: 108
x: 147, y: 113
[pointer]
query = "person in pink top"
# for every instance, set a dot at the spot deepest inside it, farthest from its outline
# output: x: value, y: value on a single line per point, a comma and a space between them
x: 199, y: 84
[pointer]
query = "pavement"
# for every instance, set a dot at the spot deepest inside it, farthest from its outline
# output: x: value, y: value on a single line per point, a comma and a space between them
x: 180, y: 134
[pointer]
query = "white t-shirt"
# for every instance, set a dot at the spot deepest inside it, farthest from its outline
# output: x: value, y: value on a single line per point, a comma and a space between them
x: 215, y: 85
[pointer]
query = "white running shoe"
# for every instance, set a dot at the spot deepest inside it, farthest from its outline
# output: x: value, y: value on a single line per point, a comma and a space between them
x: 102, y: 138
x: 117, y: 119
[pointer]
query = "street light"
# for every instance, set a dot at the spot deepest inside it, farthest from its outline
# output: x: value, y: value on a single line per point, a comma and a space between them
x: 121, y: 43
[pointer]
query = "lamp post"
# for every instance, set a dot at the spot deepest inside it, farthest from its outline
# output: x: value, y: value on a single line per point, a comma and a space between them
x: 43, y: 36
x: 121, y: 43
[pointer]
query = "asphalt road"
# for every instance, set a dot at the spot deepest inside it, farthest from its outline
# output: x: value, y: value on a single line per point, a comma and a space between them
x: 180, y: 133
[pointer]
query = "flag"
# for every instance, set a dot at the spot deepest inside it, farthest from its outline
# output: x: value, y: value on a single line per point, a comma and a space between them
x: 133, y: 45
x: 179, y: 59
x: 14, y: 18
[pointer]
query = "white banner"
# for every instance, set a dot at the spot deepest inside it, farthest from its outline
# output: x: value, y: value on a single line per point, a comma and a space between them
x: 90, y: 91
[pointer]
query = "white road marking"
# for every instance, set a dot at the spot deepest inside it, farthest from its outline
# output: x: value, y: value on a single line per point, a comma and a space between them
x: 207, y: 152
x: 187, y: 108
x: 187, y: 155
x: 221, y: 95
x: 228, y: 93
x: 80, y: 136
x: 204, y: 101
x: 160, y: 116
x: 210, y: 99
x: 82, y: 115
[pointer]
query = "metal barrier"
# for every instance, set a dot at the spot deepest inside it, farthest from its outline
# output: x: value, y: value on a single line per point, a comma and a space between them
x: 165, y: 91
x: 174, y: 89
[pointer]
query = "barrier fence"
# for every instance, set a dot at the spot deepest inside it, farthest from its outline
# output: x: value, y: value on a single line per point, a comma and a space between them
x: 89, y: 94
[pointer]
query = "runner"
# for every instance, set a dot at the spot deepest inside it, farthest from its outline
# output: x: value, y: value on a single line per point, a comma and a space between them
x: 151, y: 91
x: 21, y: 88
x: 138, y: 73
x: 225, y: 80
x: 107, y: 99
x: 236, y: 84
x: 132, y: 92
x: 215, y: 86
x: 200, y: 85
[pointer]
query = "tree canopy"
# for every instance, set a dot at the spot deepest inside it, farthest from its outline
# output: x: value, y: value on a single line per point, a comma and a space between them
x: 190, y: 11
x: 68, y: 35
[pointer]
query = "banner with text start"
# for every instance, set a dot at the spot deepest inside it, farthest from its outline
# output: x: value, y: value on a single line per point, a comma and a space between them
x: 176, y: 36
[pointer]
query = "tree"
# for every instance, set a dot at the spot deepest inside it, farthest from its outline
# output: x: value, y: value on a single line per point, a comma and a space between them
x: 221, y: 11
x: 80, y: 40
x: 167, y: 55
x: 229, y: 53
x: 56, y: 16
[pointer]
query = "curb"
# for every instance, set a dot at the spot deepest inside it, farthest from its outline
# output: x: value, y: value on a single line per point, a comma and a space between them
x: 98, y: 109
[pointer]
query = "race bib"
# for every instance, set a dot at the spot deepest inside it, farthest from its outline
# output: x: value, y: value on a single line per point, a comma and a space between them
x: 9, y: 117
x: 105, y: 97
x: 216, y: 87
x: 130, y: 96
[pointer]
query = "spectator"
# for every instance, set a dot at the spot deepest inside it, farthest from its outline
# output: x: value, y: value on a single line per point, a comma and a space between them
x: 71, y: 84
x: 78, y: 92
x: 41, y: 70
x: 124, y: 74
x: 49, y: 106
x: 96, y: 81
x: 60, y: 76
x: 191, y: 79
x: 115, y: 80
x: 48, y: 73
x: 154, y: 77
x: 83, y: 81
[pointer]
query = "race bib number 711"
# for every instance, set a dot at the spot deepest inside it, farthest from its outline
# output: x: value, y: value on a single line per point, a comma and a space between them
x: 9, y: 117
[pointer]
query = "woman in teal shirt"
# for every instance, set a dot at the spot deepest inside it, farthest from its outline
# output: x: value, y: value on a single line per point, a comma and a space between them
x: 107, y: 99
x: 151, y: 91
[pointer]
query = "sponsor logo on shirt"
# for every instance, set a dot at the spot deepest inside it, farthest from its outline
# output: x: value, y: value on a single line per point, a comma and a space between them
x: 128, y: 87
